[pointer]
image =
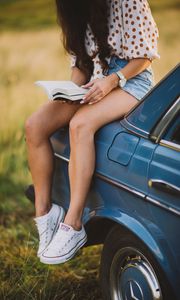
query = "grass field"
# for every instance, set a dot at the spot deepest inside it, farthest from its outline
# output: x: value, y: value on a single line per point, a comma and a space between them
x: 30, y: 49
x: 21, y: 274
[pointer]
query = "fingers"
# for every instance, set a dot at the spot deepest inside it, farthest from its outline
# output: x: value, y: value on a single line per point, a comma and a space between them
x: 98, y: 89
x: 95, y: 89
x: 95, y: 97
x: 88, y: 85
x: 90, y: 95
x: 95, y: 93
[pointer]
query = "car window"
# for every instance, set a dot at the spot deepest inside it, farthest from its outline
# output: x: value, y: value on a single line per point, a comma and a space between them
x: 173, y: 133
x: 156, y: 103
x: 176, y: 136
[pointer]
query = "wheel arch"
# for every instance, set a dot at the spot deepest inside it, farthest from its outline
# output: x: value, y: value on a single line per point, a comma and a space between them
x: 100, y: 225
x: 102, y: 221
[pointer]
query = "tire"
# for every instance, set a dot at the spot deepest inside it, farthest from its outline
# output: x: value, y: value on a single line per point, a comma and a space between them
x: 129, y: 271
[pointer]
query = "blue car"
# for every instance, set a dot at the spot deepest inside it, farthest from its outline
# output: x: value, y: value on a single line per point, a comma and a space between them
x: 133, y: 206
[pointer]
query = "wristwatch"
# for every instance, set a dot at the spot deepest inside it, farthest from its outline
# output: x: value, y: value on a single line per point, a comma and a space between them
x: 122, y: 79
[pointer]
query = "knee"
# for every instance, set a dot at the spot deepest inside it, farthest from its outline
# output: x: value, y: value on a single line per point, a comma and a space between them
x: 32, y: 130
x: 79, y: 128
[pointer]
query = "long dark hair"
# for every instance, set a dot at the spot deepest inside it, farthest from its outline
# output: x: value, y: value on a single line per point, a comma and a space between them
x: 73, y: 17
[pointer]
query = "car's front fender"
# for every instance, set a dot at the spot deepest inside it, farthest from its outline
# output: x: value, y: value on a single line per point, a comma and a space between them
x: 146, y: 231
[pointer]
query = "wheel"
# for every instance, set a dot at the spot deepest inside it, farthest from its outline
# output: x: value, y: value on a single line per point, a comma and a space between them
x: 128, y: 270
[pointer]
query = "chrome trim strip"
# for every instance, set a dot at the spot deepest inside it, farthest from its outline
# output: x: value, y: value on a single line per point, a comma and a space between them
x: 170, y: 145
x: 126, y: 188
x: 61, y: 157
x: 166, y: 207
x: 109, y: 180
x: 139, y: 129
x: 132, y: 131
x: 151, y: 181
x: 164, y: 122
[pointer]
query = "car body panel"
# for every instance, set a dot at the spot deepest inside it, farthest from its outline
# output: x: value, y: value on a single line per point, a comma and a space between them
x: 165, y: 167
x: 136, y: 214
x: 123, y: 148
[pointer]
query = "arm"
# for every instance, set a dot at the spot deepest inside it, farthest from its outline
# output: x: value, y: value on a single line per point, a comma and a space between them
x: 102, y: 87
x: 133, y: 68
x: 77, y: 76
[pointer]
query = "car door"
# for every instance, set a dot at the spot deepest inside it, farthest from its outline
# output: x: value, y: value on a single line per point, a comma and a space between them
x: 164, y: 192
x: 164, y: 172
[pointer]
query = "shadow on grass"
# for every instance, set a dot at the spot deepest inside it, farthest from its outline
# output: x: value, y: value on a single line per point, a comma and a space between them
x: 24, y: 277
x: 63, y: 289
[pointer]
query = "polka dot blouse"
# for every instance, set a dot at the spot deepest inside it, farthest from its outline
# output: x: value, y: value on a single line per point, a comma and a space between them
x: 132, y: 33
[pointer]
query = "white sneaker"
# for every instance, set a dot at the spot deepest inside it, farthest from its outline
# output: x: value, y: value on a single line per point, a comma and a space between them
x: 48, y: 225
x: 64, y: 245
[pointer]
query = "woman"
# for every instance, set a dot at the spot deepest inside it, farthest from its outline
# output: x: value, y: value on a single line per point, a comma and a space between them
x: 112, y: 45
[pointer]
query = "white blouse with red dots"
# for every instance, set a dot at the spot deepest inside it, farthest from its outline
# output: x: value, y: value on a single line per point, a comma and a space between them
x: 133, y: 33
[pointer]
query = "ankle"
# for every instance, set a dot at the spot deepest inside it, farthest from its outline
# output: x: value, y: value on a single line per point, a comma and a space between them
x: 75, y: 224
x: 42, y: 210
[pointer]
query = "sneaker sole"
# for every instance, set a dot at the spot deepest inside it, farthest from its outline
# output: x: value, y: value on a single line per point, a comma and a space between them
x: 64, y: 258
x: 60, y: 219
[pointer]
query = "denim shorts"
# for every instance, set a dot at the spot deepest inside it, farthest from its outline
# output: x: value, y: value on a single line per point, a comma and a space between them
x: 139, y: 85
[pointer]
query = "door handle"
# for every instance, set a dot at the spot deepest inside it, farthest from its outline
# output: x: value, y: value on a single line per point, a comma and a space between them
x: 164, y: 186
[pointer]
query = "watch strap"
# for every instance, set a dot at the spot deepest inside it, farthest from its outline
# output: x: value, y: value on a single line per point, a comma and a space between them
x: 122, y: 78
x: 120, y: 75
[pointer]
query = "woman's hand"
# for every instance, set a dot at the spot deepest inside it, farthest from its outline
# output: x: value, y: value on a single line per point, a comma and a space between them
x: 99, y: 88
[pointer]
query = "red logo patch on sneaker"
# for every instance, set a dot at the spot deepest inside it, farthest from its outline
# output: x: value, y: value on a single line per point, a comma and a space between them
x: 65, y: 227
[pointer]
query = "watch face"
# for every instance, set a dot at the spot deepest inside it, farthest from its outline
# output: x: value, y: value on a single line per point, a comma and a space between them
x: 122, y: 79
x: 122, y: 82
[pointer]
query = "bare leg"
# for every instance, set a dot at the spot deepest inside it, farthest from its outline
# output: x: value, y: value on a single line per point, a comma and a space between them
x: 39, y: 128
x: 86, y: 121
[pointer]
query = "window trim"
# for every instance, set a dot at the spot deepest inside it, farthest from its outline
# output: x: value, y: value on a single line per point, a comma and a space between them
x: 133, y: 129
x: 170, y: 145
x: 138, y: 131
x: 163, y: 124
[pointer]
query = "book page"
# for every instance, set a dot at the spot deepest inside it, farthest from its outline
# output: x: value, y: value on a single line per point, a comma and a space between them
x: 65, y: 87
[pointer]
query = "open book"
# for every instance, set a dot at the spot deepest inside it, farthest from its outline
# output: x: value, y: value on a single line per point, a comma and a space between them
x: 57, y: 90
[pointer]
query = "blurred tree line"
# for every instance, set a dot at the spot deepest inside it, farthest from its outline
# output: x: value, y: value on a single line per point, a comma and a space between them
x: 39, y: 14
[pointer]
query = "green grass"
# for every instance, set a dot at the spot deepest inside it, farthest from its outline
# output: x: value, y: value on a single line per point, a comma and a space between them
x: 22, y: 276
x: 22, y: 14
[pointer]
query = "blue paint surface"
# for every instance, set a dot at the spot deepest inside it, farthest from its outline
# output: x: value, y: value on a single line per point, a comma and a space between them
x: 128, y: 160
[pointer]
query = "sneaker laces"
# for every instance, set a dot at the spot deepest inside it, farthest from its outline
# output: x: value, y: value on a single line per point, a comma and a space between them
x: 43, y: 230
x: 63, y: 236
